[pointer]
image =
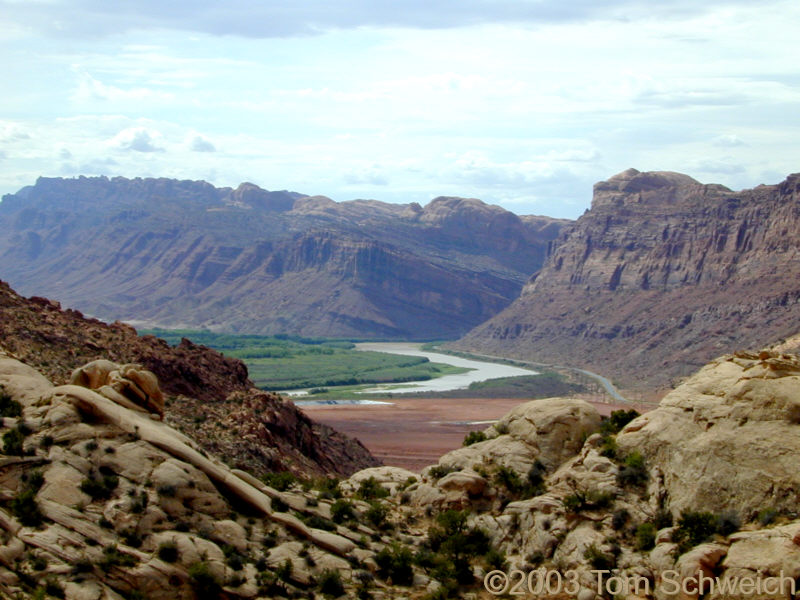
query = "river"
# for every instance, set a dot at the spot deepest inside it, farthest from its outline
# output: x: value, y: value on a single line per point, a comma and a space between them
x: 480, y: 370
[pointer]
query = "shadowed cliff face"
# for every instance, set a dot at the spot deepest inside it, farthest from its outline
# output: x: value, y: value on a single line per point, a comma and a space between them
x: 247, y: 260
x: 662, y: 274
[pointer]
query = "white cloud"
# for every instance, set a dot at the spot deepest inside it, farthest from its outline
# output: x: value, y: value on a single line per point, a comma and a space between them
x: 198, y: 143
x: 137, y: 139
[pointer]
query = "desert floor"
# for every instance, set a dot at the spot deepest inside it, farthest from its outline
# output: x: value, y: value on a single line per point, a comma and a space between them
x: 413, y: 433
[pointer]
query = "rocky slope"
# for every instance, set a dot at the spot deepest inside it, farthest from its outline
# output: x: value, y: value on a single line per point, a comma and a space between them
x: 101, y: 499
x: 661, y: 275
x: 208, y: 395
x: 247, y: 260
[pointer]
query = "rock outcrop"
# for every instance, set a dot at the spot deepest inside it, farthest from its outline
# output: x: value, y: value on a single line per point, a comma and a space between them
x: 661, y: 275
x: 252, y: 261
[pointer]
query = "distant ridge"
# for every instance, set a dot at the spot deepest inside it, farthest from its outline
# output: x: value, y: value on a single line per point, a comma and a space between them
x: 660, y: 276
x: 171, y: 252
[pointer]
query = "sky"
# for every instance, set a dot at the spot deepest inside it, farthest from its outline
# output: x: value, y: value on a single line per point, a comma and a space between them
x: 521, y: 103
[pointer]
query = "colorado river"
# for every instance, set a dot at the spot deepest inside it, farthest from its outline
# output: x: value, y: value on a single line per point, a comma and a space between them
x: 481, y: 371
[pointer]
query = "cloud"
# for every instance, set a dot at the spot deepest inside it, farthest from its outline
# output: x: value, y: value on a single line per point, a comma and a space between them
x: 137, y: 139
x: 277, y: 18
x: 198, y: 143
x: 723, y: 166
x: 728, y: 141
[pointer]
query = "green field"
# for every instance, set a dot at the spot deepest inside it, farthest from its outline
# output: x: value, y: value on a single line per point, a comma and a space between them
x: 287, y: 362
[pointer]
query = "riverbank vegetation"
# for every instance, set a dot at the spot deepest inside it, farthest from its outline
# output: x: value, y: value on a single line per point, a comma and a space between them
x: 283, y: 362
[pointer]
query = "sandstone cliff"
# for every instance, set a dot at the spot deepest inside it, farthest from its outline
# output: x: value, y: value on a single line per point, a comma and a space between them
x: 661, y: 275
x: 246, y: 260
x: 208, y: 395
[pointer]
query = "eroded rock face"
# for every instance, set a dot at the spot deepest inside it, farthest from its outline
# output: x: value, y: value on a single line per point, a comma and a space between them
x: 662, y: 275
x: 128, y: 384
x: 101, y: 500
x: 729, y: 437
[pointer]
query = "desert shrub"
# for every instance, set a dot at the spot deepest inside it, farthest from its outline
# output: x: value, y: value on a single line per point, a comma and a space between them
x: 473, y: 437
x: 728, y: 522
x: 167, y: 490
x: 395, y: 564
x: 536, y: 476
x: 168, y: 552
x: 767, y: 516
x: 112, y: 557
x: 100, y: 485
x: 588, y: 500
x: 439, y: 471
x: 633, y: 471
x: 318, y: 522
x: 619, y: 518
x: 599, y: 559
x: 342, y: 510
x: 645, y: 537
x: 203, y: 581
x: 13, y: 440
x: 24, y: 506
x: 508, y: 478
x: 328, y: 488
x: 278, y: 504
x: 495, y: 560
x: 376, y: 514
x: 617, y: 420
x: 8, y: 406
x: 330, y: 583
x: 284, y: 571
x: 694, y: 528
x: 131, y: 537
x: 662, y: 518
x: 370, y: 489
x: 281, y: 481
x: 501, y: 428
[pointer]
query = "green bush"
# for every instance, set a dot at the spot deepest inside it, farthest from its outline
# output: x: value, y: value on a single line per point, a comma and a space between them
x: 330, y: 583
x: 588, y: 500
x: 663, y: 518
x: 473, y: 437
x: 280, y: 481
x: 24, y: 506
x: 633, y: 471
x: 100, y: 485
x: 767, y: 516
x: 617, y: 420
x: 203, y: 582
x: 376, y: 514
x: 8, y: 406
x: 13, y: 440
x: 599, y: 559
x: 694, y: 528
x: 439, y: 471
x: 168, y: 552
x: 278, y: 504
x: 370, y: 489
x: 112, y: 557
x: 395, y: 564
x: 645, y: 537
x: 342, y: 510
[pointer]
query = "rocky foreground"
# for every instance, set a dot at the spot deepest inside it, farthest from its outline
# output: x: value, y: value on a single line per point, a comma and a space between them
x: 100, y: 499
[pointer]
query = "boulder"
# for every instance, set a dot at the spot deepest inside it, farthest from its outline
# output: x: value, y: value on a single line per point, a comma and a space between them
x: 728, y: 438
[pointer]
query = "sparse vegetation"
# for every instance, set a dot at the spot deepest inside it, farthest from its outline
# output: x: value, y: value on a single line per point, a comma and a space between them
x: 24, y: 506
x: 100, y: 485
x: 633, y: 471
x: 205, y: 584
x: 8, y: 406
x: 342, y: 510
x: 330, y: 583
x: 473, y: 437
x: 280, y: 481
x: 645, y: 536
x: 370, y: 489
x: 168, y: 552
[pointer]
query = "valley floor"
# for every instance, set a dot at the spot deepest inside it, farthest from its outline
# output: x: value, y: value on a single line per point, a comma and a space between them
x: 413, y: 433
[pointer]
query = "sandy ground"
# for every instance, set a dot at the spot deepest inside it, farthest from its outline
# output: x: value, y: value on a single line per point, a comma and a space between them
x: 414, y: 433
